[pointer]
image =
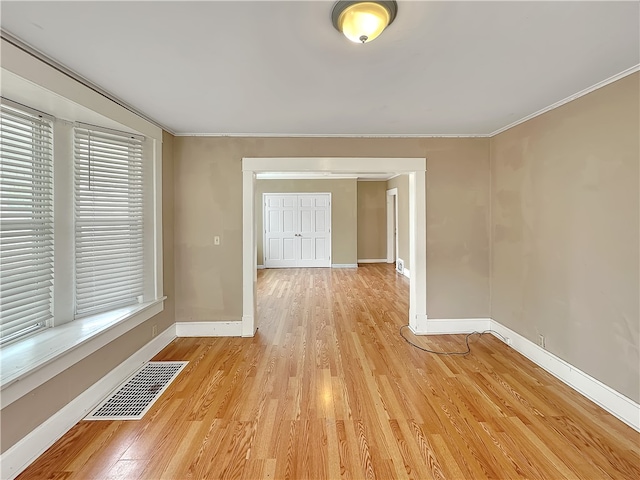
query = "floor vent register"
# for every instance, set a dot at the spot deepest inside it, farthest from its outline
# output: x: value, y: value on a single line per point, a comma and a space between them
x: 132, y: 399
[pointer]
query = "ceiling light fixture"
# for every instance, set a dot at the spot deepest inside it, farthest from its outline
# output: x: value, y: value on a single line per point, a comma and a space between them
x: 361, y: 21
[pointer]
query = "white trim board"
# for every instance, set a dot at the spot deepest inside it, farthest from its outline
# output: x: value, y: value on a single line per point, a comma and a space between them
x: 209, y: 329
x: 23, y: 453
x: 260, y: 267
x: 406, y: 272
x: 606, y: 397
x: 372, y: 260
x: 344, y: 265
x: 330, y: 135
x: 452, y: 326
x: 414, y: 167
x: 391, y: 213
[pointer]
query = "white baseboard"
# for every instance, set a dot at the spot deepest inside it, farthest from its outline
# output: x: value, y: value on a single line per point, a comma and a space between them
x: 23, y: 453
x: 344, y: 265
x: 406, y: 272
x: 606, y: 397
x: 260, y: 267
x: 372, y: 260
x: 209, y: 329
x: 454, y: 325
x: 249, y: 327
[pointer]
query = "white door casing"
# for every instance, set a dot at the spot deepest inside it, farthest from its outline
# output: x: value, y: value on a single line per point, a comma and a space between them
x: 392, y: 225
x: 415, y: 167
x: 297, y: 230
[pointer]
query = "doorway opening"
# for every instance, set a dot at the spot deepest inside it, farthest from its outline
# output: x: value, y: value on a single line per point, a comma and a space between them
x: 416, y: 170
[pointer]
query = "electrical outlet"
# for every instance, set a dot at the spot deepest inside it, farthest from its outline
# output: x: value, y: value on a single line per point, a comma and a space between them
x: 154, y: 331
x: 216, y: 240
x: 541, y: 341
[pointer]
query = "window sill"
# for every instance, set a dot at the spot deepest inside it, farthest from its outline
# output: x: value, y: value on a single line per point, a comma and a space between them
x: 28, y: 363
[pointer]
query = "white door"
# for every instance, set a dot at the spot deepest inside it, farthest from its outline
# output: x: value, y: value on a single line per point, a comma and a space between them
x: 297, y: 230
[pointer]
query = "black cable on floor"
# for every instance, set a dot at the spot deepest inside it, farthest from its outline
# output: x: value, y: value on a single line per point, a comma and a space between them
x: 466, y: 341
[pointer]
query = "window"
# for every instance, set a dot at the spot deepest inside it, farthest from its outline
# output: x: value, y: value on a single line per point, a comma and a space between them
x: 26, y: 222
x: 109, y: 209
x: 78, y: 223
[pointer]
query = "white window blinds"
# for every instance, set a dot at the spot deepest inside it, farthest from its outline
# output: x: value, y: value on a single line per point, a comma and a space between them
x: 26, y: 222
x: 108, y: 220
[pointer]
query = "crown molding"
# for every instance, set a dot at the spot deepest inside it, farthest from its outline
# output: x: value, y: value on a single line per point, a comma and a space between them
x: 330, y: 135
x: 570, y: 98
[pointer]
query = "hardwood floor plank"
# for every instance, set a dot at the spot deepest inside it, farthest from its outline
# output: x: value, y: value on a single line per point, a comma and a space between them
x: 425, y: 449
x: 124, y: 469
x: 328, y: 389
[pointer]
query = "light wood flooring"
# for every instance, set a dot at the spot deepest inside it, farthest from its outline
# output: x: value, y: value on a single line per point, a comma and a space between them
x: 327, y: 389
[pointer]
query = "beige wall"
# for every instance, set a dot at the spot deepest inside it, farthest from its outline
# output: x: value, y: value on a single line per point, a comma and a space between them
x: 457, y: 235
x: 25, y: 414
x: 401, y: 182
x: 372, y: 220
x: 457, y: 189
x: 208, y: 189
x: 343, y: 212
x: 566, y: 233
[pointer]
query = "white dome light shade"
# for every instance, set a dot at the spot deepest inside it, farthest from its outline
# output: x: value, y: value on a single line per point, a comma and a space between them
x: 362, y: 22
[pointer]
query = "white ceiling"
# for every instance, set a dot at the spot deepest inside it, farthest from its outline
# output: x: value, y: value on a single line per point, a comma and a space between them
x: 279, y: 67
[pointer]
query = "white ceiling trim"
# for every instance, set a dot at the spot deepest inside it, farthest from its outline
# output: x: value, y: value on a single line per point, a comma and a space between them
x: 570, y: 98
x: 332, y: 135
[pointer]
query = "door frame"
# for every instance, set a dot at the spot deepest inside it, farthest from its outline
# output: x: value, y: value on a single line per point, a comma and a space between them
x: 264, y: 229
x: 392, y: 225
x: 414, y: 167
